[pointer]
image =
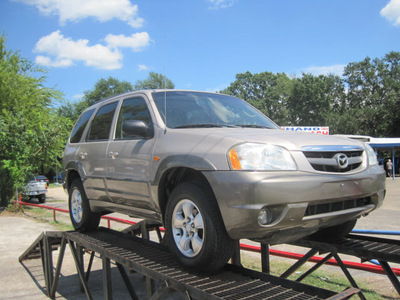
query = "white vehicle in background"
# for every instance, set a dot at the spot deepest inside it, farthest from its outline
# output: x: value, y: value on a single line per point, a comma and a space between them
x: 36, y: 188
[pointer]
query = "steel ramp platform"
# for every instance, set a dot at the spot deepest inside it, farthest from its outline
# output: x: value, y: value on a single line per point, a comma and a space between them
x: 155, y: 262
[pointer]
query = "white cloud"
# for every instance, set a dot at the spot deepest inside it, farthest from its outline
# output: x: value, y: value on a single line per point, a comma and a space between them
x: 142, y: 68
x: 63, y: 52
x: 217, y: 4
x: 137, y: 41
x: 76, y: 10
x: 77, y: 97
x: 392, y: 12
x: 325, y: 70
x: 58, y: 62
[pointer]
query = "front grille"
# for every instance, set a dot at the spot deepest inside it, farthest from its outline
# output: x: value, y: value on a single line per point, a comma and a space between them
x: 317, y: 209
x: 339, y: 159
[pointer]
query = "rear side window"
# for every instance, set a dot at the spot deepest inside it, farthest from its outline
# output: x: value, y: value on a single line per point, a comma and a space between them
x: 101, y: 124
x: 134, y: 109
x: 80, y: 126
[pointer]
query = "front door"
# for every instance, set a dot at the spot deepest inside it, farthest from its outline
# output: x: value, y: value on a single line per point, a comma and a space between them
x: 130, y: 160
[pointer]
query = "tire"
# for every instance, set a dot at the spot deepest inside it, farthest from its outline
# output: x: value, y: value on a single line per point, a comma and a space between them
x: 195, y: 233
x: 334, y: 233
x: 82, y: 218
x: 42, y: 198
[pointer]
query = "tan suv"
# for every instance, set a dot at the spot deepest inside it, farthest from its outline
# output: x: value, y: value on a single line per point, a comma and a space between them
x: 213, y: 169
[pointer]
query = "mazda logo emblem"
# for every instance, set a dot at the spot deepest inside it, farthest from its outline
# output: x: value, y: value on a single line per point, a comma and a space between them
x: 342, y: 160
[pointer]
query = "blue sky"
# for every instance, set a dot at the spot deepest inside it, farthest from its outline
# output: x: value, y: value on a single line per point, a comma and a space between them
x: 198, y: 44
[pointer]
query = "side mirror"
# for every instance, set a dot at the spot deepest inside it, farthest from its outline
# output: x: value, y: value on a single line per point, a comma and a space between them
x: 135, y: 128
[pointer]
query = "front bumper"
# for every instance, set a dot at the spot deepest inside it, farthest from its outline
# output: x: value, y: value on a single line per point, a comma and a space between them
x: 241, y: 195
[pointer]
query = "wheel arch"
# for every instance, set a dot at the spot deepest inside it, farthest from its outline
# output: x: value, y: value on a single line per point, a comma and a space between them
x: 72, y: 171
x: 172, y: 177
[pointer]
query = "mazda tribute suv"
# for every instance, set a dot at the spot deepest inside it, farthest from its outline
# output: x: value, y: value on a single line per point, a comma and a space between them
x: 212, y: 169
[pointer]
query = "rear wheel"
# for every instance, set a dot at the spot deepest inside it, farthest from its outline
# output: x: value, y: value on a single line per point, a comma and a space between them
x: 82, y: 218
x: 195, y: 232
x: 42, y: 198
x: 334, y: 233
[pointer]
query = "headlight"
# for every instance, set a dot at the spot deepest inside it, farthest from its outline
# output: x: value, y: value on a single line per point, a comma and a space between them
x: 260, y: 157
x: 372, y: 160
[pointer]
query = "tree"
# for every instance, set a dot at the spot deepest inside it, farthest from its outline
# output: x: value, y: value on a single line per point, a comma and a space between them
x: 266, y: 91
x: 72, y: 111
x: 105, y: 88
x: 32, y: 135
x: 314, y: 99
x: 374, y: 86
x: 154, y: 81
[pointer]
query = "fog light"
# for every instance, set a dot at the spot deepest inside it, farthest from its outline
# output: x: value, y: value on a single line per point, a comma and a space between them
x: 264, y: 216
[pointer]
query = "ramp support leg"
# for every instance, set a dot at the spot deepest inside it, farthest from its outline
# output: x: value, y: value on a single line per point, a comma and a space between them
x: 58, y: 268
x: 265, y: 265
x: 128, y: 283
x: 299, y: 263
x: 107, y: 283
x: 236, y: 260
x: 348, y: 275
x: 315, y: 267
x: 79, y: 269
x: 392, y: 277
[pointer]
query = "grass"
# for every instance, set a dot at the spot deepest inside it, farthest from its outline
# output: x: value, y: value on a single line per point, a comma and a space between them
x: 46, y: 216
x: 55, y: 201
x: 53, y: 185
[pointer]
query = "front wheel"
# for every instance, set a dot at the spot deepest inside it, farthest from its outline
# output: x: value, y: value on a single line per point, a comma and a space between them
x: 195, y: 232
x: 334, y: 233
x: 82, y: 218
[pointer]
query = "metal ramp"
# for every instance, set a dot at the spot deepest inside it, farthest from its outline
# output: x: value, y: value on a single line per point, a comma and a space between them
x: 157, y: 264
x: 365, y: 247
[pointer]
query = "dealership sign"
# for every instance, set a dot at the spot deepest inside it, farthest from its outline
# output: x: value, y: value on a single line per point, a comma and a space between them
x: 318, y: 130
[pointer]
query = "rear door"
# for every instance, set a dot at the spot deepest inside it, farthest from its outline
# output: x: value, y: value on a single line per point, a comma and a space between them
x: 92, y: 153
x: 130, y: 159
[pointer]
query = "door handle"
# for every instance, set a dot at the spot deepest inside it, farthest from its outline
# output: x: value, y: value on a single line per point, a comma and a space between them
x: 113, y: 154
x: 83, y: 155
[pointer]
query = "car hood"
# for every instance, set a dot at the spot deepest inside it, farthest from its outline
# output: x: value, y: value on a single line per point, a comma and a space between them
x: 293, y: 141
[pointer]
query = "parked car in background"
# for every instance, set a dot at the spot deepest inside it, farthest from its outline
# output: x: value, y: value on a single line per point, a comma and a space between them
x: 36, y: 188
x: 213, y: 169
x: 42, y: 178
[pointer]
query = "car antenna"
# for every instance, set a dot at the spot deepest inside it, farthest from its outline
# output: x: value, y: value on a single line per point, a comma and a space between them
x: 165, y: 86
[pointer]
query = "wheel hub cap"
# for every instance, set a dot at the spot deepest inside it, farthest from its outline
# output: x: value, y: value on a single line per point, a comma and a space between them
x: 188, y: 228
x: 76, y: 206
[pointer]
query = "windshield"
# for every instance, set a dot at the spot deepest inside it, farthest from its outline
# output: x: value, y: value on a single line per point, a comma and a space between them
x: 196, y: 109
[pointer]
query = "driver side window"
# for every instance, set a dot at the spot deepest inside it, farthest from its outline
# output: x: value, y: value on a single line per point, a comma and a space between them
x: 133, y: 109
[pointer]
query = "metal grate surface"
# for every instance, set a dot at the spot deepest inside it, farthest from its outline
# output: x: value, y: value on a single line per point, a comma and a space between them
x: 153, y: 260
x: 361, y: 246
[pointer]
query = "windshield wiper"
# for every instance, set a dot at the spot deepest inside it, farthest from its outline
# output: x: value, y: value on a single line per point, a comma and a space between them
x: 204, y: 126
x: 253, y: 126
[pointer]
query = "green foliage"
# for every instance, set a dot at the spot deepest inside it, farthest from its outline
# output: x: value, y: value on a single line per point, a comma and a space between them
x: 365, y: 101
x: 106, y: 88
x: 314, y: 98
x: 374, y: 87
x: 266, y: 91
x: 14, y: 207
x: 32, y: 134
x: 154, y: 81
